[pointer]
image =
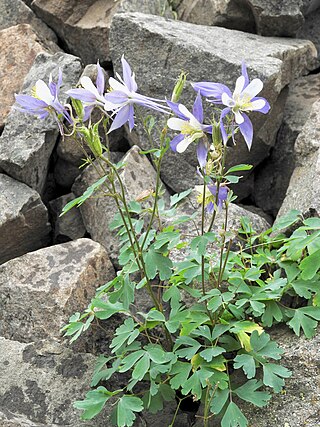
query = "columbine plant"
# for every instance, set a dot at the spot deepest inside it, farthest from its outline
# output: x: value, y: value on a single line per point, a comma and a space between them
x: 209, y: 312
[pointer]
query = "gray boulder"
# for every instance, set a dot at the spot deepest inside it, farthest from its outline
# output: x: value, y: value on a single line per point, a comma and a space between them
x: 40, y: 290
x: 165, y: 51
x: 24, y: 225
x: 69, y: 226
x: 27, y: 142
x: 310, y: 28
x: 272, y: 178
x: 303, y: 192
x: 39, y: 383
x: 97, y: 212
x: 85, y: 28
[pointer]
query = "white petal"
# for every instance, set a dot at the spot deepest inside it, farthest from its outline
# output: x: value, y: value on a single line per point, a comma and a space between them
x: 185, y: 111
x: 109, y: 106
x: 239, y: 86
x: 115, y: 85
x: 183, y: 145
x: 226, y: 100
x: 253, y: 89
x: 176, y: 124
x: 239, y: 118
x: 43, y: 92
x: 87, y: 84
x: 258, y: 104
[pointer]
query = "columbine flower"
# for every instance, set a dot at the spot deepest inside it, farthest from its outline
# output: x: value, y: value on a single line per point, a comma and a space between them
x: 211, y: 196
x: 242, y: 100
x: 191, y: 128
x: 44, y: 101
x: 90, y: 94
x: 123, y: 96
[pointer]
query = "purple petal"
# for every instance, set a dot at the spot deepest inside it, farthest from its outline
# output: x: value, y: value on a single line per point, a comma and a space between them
x: 116, y: 97
x: 245, y: 74
x: 87, y: 112
x: 127, y: 76
x: 202, y: 152
x: 207, y: 128
x: 100, y: 83
x: 264, y: 109
x: 121, y: 118
x: 197, y: 110
x: 212, y: 90
x: 247, y: 130
x: 131, y: 117
x: 224, y: 112
x: 29, y: 102
x: 175, y: 108
x: 210, y: 208
x: 82, y: 94
x: 175, y: 141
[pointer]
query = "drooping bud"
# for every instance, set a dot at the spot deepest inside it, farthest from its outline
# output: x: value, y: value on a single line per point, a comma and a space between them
x: 95, y: 143
x: 78, y: 108
x: 178, y: 88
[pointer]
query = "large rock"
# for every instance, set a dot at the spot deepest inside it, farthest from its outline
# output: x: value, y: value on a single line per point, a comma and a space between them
x: 39, y: 383
x: 27, y: 142
x: 137, y: 175
x: 40, y: 290
x: 20, y: 44
x: 84, y: 28
x: 24, y: 223
x: 303, y: 192
x: 165, y: 51
x: 272, y: 178
x: 14, y: 12
x: 310, y: 28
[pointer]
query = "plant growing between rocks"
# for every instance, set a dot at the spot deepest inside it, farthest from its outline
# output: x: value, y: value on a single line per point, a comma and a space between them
x: 203, y: 341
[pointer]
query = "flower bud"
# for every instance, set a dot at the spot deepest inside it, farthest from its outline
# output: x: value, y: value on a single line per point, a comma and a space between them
x: 177, y: 91
x: 78, y: 108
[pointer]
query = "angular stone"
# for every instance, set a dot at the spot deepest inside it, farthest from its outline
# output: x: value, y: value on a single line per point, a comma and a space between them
x: 27, y: 142
x: 84, y: 28
x: 303, y: 192
x: 19, y: 45
x: 272, y: 178
x: 165, y: 50
x: 40, y: 290
x: 65, y: 173
x: 278, y: 18
x: 39, y: 383
x: 14, y: 12
x: 69, y: 226
x: 137, y: 175
x: 233, y: 14
x: 310, y: 28
x: 24, y: 223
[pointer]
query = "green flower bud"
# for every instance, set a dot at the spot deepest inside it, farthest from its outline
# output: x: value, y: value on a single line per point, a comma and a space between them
x: 78, y: 108
x: 177, y: 91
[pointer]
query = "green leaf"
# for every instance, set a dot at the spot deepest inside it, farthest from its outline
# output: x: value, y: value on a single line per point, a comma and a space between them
x: 303, y: 288
x: 249, y: 393
x: 272, y: 311
x: 157, y: 262
x: 155, y: 315
x: 125, y: 332
x: 209, y: 353
x: 310, y: 265
x: 180, y: 373
x: 287, y: 220
x: 94, y: 402
x: 188, y: 352
x: 123, y: 414
x: 141, y: 368
x: 220, y: 398
x: 196, y: 383
x: 130, y: 360
x: 176, y: 198
x: 273, y: 376
x: 106, y: 308
x: 305, y: 318
x: 247, y: 363
x: 88, y: 193
x: 241, y: 167
x: 262, y: 345
x: 233, y: 417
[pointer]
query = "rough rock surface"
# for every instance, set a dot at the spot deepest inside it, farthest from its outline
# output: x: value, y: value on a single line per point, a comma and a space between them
x: 234, y: 14
x: 310, y: 28
x: 14, y: 12
x: 165, y: 50
x: 304, y: 188
x: 24, y: 223
x: 70, y: 225
x: 27, y: 142
x: 20, y: 44
x: 137, y: 175
x: 272, y: 179
x: 40, y: 290
x: 39, y: 383
x: 85, y: 28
